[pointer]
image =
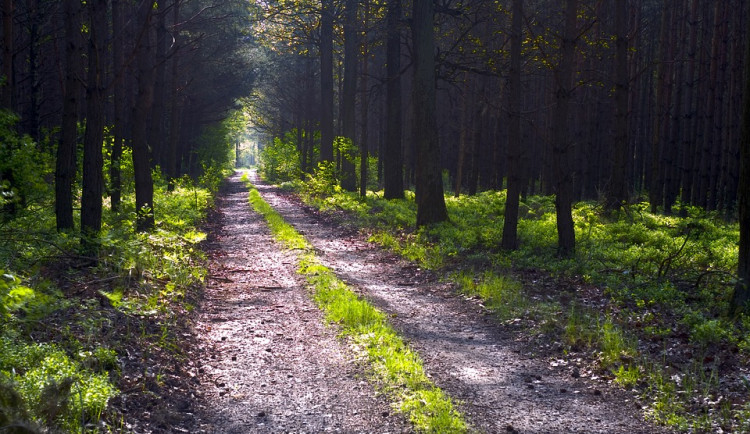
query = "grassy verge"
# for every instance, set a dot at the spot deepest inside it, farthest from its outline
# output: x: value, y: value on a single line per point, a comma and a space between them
x: 660, y: 287
x: 74, y: 336
x: 395, y: 367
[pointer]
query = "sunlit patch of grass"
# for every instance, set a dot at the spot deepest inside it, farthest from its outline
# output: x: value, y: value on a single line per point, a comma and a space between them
x: 500, y: 294
x: 394, y: 366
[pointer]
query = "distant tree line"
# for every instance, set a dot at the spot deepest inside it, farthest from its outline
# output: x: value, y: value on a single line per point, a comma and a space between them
x: 148, y: 76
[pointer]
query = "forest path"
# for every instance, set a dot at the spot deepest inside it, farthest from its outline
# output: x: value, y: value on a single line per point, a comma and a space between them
x: 268, y: 361
x: 500, y: 385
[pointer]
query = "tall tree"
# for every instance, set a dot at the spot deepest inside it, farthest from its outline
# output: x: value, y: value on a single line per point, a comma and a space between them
x: 429, y: 183
x: 363, y: 147
x: 561, y: 137
x: 118, y: 102
x: 741, y: 295
x: 392, y: 156
x: 348, y: 118
x: 65, y: 164
x: 510, y: 223
x: 326, y: 81
x: 618, y: 186
x: 144, y: 184
x: 91, y: 196
x: 7, y: 87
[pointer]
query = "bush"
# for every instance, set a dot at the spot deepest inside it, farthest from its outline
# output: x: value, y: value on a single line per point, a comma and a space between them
x: 279, y: 160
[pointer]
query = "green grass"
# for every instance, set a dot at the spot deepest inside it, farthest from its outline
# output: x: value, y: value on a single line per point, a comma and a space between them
x: 394, y: 366
x: 666, y: 277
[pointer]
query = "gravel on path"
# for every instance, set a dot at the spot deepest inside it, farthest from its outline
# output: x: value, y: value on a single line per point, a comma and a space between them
x: 268, y: 361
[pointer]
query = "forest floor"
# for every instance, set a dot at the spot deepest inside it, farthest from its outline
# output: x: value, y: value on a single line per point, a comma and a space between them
x: 262, y: 359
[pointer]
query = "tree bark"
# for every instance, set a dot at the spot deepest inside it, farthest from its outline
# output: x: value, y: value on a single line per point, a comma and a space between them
x: 561, y: 148
x: 326, y: 81
x: 7, y: 87
x: 618, y: 184
x: 741, y: 295
x: 91, y: 198
x: 363, y: 146
x: 429, y: 182
x: 515, y: 181
x: 115, y: 182
x: 65, y: 164
x: 170, y: 159
x: 348, y: 112
x: 144, y: 184
x: 157, y: 141
x: 393, y: 163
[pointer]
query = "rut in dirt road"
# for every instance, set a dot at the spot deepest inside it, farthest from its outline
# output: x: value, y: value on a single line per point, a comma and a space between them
x: 498, y: 385
x: 269, y: 362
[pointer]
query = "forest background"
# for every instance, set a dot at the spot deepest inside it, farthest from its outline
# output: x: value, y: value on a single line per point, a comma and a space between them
x: 602, y: 142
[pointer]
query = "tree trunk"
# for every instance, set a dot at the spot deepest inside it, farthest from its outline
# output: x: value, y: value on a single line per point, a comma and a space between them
x: 65, y: 165
x: 144, y: 184
x: 562, y: 145
x: 115, y: 182
x: 463, y: 135
x: 156, y: 140
x: 348, y: 107
x: 690, y: 116
x: 741, y: 295
x: 363, y: 147
x: 7, y: 87
x: 393, y: 163
x: 326, y: 81
x: 170, y: 159
x: 515, y: 181
x: 429, y: 181
x: 618, y: 184
x: 91, y: 198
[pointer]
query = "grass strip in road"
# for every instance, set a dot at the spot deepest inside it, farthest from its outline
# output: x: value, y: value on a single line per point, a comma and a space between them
x: 396, y: 368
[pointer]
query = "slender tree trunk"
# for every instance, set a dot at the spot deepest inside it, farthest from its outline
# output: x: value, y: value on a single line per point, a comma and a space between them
x: 118, y: 27
x: 65, y: 165
x: 144, y: 184
x: 158, y: 115
x: 561, y: 151
x: 741, y: 295
x: 171, y: 158
x: 7, y: 88
x: 429, y: 181
x: 463, y: 135
x: 348, y: 115
x: 690, y: 116
x: 32, y: 113
x: 618, y: 185
x: 91, y: 198
x: 708, y: 127
x: 515, y: 181
x: 326, y: 81
x: 393, y: 163
x: 363, y: 147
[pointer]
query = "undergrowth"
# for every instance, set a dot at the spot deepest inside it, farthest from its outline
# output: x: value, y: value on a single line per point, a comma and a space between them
x: 394, y: 366
x: 668, y: 280
x: 64, y: 322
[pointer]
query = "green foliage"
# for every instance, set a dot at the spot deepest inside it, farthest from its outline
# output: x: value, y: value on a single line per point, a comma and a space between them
x: 54, y: 389
x: 24, y: 170
x: 500, y: 294
x: 215, y: 147
x: 345, y: 147
x: 280, y: 160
